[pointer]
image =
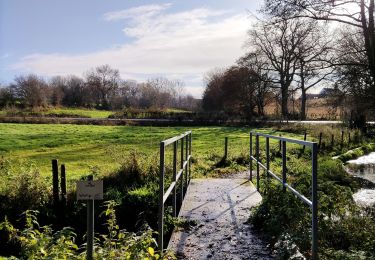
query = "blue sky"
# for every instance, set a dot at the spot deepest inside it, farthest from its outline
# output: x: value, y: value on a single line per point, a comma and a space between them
x: 143, y: 39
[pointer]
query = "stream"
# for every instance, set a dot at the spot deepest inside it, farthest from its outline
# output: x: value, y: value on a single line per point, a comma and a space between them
x: 363, y: 167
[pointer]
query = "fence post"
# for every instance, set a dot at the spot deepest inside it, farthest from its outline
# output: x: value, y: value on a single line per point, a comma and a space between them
x: 55, y: 183
x: 226, y: 148
x: 63, y: 193
x: 257, y: 155
x: 90, y: 226
x: 332, y: 140
x: 174, y: 199
x: 314, y: 244
x: 342, y: 138
x: 161, y: 194
x: 268, y: 155
x: 251, y: 159
x: 304, y: 139
x: 320, y: 140
x: 284, y: 164
x: 280, y: 144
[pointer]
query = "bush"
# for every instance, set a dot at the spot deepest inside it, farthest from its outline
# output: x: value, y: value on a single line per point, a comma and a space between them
x: 40, y: 242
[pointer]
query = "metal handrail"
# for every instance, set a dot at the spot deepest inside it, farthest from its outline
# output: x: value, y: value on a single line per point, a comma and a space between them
x: 313, y: 203
x: 185, y: 169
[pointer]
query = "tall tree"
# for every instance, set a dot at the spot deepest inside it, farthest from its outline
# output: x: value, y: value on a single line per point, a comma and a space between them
x: 258, y: 63
x: 32, y: 91
x: 358, y: 14
x: 103, y: 81
x: 279, y: 42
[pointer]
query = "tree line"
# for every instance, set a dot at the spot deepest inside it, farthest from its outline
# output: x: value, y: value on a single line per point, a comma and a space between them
x: 100, y: 88
x: 295, y: 46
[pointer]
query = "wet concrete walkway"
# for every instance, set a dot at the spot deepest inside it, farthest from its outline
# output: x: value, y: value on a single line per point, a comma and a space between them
x: 220, y: 208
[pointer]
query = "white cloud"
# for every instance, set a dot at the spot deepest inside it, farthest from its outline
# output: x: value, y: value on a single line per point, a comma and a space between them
x: 143, y: 10
x: 186, y: 43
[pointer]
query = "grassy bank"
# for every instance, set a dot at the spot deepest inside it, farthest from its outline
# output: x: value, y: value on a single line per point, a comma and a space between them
x: 87, y: 148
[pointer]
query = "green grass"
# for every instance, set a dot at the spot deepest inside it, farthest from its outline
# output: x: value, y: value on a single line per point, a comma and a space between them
x: 63, y: 111
x: 92, y: 113
x: 86, y: 148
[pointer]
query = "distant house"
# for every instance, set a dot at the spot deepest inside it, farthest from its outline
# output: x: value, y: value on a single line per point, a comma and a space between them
x: 329, y: 92
x: 312, y: 96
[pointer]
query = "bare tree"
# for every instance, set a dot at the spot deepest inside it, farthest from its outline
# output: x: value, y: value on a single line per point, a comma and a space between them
x: 212, y: 96
x: 279, y: 42
x: 314, y: 61
x: 257, y: 62
x: 358, y: 14
x: 103, y: 81
x: 57, y: 85
x: 32, y: 91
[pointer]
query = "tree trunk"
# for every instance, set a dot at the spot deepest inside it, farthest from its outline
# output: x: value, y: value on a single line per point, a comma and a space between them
x: 284, y: 102
x: 303, y: 104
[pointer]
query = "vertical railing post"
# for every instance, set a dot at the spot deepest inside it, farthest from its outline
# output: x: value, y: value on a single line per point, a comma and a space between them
x: 257, y: 155
x: 284, y: 164
x: 268, y: 156
x: 174, y: 199
x: 182, y: 168
x: 190, y: 142
x: 161, y: 194
x: 314, y: 233
x: 251, y: 159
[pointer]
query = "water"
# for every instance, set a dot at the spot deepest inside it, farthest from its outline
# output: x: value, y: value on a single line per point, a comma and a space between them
x: 364, y: 197
x: 363, y: 167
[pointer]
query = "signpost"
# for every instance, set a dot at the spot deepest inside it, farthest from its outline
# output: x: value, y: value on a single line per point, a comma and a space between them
x: 90, y: 190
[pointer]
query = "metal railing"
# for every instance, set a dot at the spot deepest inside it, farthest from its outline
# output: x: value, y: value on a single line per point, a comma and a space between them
x: 184, y: 173
x: 313, y: 203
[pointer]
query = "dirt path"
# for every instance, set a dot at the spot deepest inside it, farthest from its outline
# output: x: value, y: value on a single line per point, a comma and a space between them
x: 220, y: 208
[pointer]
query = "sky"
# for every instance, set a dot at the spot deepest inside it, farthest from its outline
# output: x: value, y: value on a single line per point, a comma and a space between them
x: 142, y: 39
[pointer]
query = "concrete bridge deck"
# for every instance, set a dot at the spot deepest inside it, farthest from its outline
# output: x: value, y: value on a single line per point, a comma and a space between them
x: 221, y: 209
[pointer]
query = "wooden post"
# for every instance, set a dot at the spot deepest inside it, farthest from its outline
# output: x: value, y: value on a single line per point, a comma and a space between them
x: 55, y: 183
x: 90, y: 226
x: 342, y: 138
x: 63, y: 194
x: 63, y: 184
x: 304, y: 139
x: 320, y: 140
x: 226, y: 149
x: 332, y: 140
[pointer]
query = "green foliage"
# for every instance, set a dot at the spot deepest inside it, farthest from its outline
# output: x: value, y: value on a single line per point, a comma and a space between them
x: 344, y: 229
x: 40, y: 242
x: 22, y: 188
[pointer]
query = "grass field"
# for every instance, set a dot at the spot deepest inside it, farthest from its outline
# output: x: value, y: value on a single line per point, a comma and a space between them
x: 88, y: 148
x: 60, y: 111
